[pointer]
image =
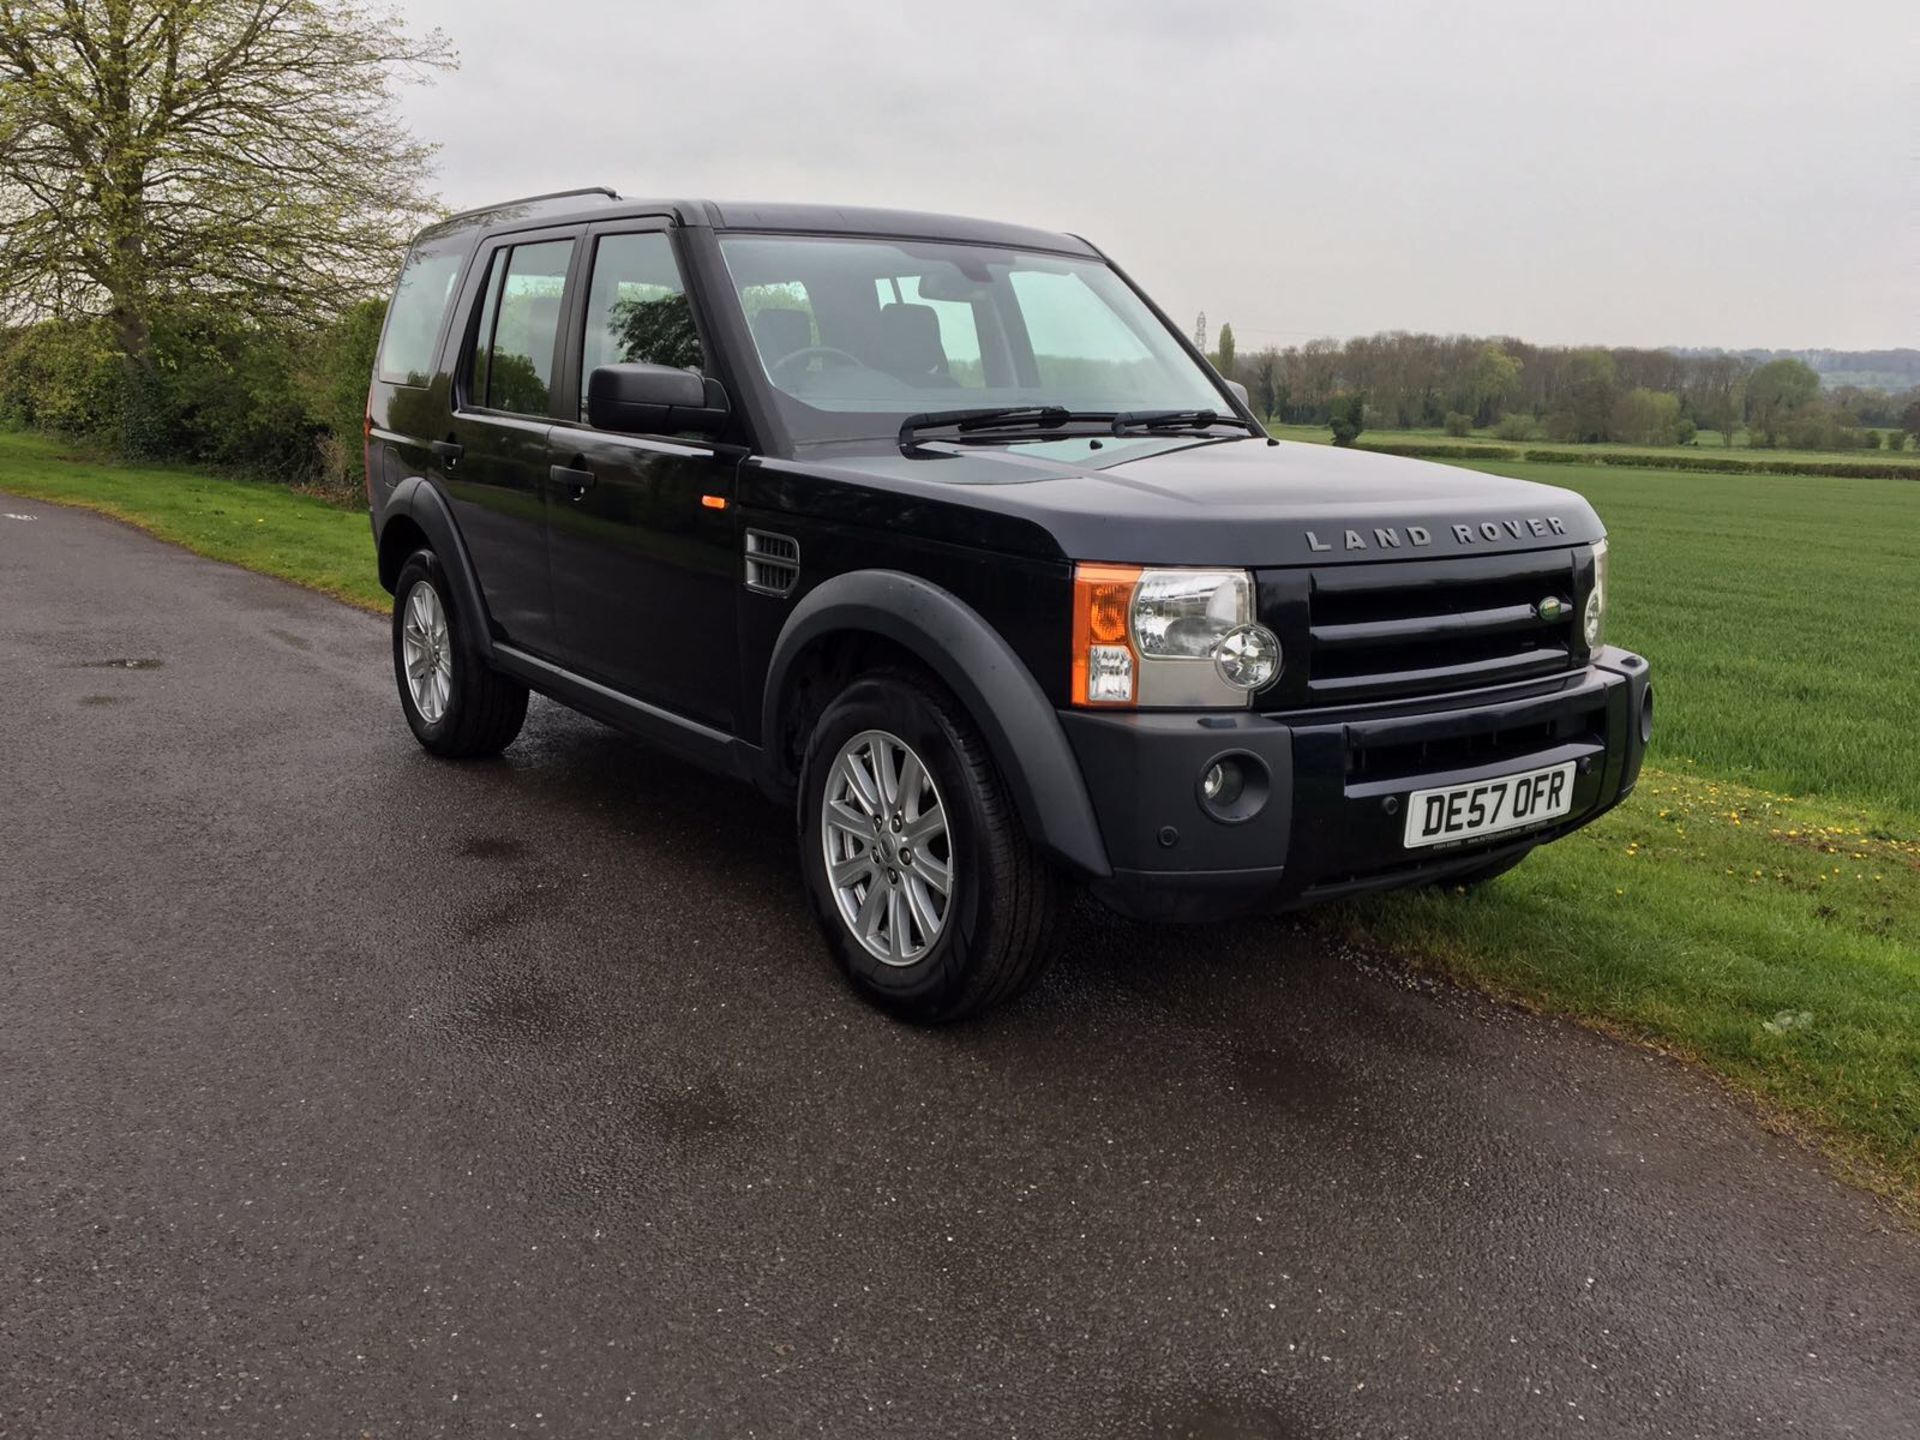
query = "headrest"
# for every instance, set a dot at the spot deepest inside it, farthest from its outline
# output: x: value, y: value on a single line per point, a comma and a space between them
x: 910, y: 342
x: 779, y: 333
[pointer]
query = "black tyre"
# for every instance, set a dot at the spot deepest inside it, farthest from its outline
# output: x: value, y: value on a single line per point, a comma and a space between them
x: 1472, y: 879
x: 921, y: 876
x: 456, y: 706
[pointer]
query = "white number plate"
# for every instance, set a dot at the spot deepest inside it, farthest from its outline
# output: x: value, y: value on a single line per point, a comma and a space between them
x: 1487, y: 807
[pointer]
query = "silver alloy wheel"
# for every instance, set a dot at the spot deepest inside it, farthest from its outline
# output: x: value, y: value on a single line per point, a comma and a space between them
x: 889, y: 855
x: 427, y: 648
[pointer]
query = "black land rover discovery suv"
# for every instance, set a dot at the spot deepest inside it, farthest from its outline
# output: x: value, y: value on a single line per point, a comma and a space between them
x: 939, y: 532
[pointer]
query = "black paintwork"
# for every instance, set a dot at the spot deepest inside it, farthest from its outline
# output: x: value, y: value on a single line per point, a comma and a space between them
x: 609, y: 568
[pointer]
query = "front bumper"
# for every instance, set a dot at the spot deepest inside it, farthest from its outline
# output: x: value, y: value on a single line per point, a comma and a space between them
x: 1337, y: 782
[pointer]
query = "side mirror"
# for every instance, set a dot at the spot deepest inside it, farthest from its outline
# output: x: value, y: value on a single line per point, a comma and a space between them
x: 1239, y: 392
x: 655, y: 400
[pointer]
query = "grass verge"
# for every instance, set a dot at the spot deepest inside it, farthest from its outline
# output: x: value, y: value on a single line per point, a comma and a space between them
x: 1774, y: 940
x: 263, y: 527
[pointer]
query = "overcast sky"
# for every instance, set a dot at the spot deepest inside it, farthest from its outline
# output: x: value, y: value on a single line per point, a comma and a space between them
x: 1739, y: 173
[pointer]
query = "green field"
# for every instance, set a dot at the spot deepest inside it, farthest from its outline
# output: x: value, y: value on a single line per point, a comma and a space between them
x: 1755, y: 906
x: 1781, y: 616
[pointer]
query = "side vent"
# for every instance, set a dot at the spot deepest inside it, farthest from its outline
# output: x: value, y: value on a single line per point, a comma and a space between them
x: 773, y: 562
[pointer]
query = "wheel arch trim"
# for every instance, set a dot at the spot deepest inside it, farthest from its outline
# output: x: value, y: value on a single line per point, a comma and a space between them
x: 971, y: 659
x: 418, y: 501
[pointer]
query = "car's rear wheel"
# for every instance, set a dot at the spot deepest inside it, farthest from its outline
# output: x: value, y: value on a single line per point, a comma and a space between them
x: 454, y: 704
x: 928, y: 891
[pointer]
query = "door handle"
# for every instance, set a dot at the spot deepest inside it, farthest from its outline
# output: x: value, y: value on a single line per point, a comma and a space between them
x: 575, y: 482
x: 448, y: 452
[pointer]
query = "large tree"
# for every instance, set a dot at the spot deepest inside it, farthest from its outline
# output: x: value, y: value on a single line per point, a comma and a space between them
x: 242, y: 154
x: 1492, y: 382
x: 1584, y: 409
x: 1775, y: 391
x: 1268, y: 388
x: 1717, y: 393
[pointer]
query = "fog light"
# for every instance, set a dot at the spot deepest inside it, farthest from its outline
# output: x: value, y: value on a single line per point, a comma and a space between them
x: 1646, y: 715
x: 1223, y: 783
x: 1234, y: 787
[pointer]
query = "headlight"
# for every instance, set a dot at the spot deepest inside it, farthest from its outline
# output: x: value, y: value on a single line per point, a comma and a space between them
x: 1171, y: 638
x: 1596, y: 617
x: 1183, y: 614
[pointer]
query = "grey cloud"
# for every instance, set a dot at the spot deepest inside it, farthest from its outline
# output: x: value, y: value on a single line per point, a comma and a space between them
x: 1636, y: 172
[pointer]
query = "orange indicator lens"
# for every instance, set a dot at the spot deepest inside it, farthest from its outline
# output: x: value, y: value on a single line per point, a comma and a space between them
x: 1104, y: 663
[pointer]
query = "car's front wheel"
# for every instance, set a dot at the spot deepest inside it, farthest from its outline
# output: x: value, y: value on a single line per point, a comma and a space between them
x: 454, y: 704
x: 928, y: 891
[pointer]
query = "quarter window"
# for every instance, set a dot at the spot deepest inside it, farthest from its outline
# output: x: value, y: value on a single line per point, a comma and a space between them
x: 637, y: 308
x: 419, y: 308
x: 519, y: 328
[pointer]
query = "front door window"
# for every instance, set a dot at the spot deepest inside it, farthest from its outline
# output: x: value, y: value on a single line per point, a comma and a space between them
x: 637, y: 309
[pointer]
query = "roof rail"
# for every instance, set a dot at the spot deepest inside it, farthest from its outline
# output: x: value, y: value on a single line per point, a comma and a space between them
x: 606, y: 190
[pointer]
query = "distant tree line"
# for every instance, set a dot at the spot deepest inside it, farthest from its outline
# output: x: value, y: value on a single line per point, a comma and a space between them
x: 1576, y: 395
x: 1894, y: 371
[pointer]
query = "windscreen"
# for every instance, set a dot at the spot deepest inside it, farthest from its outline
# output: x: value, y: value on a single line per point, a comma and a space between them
x: 855, y: 335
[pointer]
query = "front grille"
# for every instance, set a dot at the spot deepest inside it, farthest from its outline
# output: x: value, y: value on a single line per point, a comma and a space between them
x: 1388, y: 757
x: 1381, y: 632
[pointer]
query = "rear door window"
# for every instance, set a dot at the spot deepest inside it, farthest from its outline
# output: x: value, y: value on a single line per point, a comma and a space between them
x: 418, y: 310
x: 519, y: 329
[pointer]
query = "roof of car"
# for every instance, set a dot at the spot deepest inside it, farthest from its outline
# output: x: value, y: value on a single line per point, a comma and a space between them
x: 600, y: 203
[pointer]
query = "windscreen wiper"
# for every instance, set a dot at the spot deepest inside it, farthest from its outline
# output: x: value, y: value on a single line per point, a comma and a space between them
x: 1002, y: 417
x: 1150, y: 420
x: 1055, y: 417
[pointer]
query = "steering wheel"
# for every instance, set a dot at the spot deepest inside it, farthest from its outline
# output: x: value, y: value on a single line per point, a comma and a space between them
x: 825, y: 352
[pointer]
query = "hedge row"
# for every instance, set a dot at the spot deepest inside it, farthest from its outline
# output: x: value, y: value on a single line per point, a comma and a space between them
x: 1676, y: 459
x: 276, y: 402
x: 1421, y: 449
x: 1734, y: 464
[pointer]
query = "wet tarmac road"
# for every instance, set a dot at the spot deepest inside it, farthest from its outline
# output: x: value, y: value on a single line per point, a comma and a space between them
x: 347, y: 1092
